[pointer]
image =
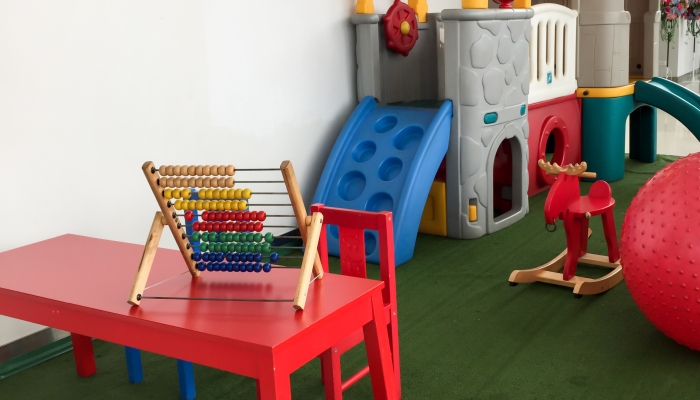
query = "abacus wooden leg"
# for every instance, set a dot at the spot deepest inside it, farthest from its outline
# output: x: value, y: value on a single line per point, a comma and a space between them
x: 149, y: 253
x: 548, y: 273
x: 84, y: 355
x: 134, y: 368
x: 307, y: 264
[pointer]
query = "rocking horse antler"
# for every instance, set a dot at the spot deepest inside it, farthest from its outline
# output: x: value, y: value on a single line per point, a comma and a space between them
x: 571, y: 169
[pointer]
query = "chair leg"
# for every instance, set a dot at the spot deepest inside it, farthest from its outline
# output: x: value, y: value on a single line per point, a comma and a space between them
x: 584, y: 236
x: 393, y: 328
x: 185, y: 374
x: 134, y: 368
x: 573, y: 246
x: 611, y: 236
x: 332, y: 380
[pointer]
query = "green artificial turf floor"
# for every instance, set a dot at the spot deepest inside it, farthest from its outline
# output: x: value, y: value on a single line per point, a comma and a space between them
x: 464, y: 333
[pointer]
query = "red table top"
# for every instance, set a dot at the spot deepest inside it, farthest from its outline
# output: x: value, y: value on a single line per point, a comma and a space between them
x: 96, y: 275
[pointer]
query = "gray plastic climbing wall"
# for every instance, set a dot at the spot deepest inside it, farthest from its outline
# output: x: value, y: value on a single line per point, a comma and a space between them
x: 487, y: 77
x: 390, y: 77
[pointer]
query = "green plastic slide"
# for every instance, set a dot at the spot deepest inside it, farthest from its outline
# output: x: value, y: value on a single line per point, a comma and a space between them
x: 674, y: 99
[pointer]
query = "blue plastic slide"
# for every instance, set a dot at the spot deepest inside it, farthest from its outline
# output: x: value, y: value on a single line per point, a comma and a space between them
x: 385, y: 159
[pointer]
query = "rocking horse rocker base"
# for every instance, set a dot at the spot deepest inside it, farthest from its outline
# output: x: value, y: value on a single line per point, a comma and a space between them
x: 565, y: 202
x: 549, y: 273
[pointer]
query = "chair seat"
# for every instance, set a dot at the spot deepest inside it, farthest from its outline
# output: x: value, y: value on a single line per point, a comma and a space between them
x: 592, y: 205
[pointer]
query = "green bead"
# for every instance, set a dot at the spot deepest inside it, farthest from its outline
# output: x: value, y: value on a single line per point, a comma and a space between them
x: 238, y: 247
x: 204, y: 247
x: 195, y: 236
x: 266, y: 247
x: 248, y: 237
x: 236, y: 237
x: 245, y: 247
x: 258, y: 247
x: 269, y: 237
x: 257, y: 237
x: 229, y: 237
x: 217, y: 247
x: 205, y: 237
x: 213, y: 237
x: 231, y: 247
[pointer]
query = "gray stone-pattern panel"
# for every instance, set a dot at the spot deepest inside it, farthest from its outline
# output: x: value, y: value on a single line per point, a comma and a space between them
x: 486, y: 74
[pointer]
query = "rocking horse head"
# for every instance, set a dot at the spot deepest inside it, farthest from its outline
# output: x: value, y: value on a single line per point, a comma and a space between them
x: 565, y: 190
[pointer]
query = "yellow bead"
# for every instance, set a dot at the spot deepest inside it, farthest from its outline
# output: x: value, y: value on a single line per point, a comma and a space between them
x: 242, y: 205
x: 227, y: 205
x: 247, y: 193
x: 210, y: 194
x: 186, y: 194
x: 192, y: 205
x: 223, y: 194
x: 220, y: 205
x: 205, y: 204
x: 168, y: 193
x: 238, y: 194
x: 178, y: 205
x: 199, y: 205
x: 234, y: 205
x: 216, y: 193
x: 231, y: 194
x: 176, y: 193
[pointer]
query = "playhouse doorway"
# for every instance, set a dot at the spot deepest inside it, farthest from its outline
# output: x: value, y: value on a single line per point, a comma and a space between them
x: 502, y: 177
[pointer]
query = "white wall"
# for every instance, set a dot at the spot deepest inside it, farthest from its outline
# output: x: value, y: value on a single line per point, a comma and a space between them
x: 89, y: 90
x: 681, y: 54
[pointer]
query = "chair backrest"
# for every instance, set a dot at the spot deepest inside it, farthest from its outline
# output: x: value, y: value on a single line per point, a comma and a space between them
x: 351, y: 231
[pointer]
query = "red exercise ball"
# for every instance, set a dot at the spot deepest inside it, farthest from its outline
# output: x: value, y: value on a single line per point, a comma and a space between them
x: 660, y: 250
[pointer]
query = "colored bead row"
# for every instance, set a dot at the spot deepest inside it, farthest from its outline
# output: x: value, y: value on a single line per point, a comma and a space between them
x: 211, y: 205
x: 235, y: 247
x: 234, y: 266
x: 209, y: 194
x: 196, y: 182
x: 196, y: 170
x: 177, y: 194
x: 229, y: 216
x: 233, y: 237
x: 227, y: 226
x: 230, y: 256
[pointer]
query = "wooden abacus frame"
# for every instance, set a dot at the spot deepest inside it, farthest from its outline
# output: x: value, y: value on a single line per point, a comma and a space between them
x: 309, y: 226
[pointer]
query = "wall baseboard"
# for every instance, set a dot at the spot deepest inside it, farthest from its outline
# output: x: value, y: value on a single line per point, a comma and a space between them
x: 32, y: 350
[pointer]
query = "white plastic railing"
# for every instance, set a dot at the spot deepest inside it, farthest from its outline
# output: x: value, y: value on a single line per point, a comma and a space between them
x: 552, y: 52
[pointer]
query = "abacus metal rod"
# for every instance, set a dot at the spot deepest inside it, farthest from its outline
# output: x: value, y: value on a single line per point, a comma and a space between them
x: 257, y: 169
x: 274, y: 205
x: 264, y: 226
x: 266, y: 215
x: 139, y: 297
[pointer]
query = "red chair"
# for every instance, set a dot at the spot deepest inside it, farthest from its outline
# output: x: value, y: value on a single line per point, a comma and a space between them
x: 351, y: 226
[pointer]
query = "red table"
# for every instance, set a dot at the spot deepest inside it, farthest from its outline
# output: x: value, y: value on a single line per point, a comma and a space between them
x: 80, y: 284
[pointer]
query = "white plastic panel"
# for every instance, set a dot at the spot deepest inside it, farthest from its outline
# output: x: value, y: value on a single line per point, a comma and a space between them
x: 552, y: 53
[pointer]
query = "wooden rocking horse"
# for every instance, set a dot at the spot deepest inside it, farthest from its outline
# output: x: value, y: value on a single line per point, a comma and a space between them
x: 565, y: 202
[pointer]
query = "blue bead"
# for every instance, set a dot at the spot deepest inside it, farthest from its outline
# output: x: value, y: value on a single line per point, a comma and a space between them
x: 250, y: 256
x: 197, y: 256
x: 205, y: 256
x: 229, y: 257
x: 201, y: 266
x: 267, y: 267
x: 234, y: 266
x: 210, y: 266
x: 219, y: 257
x: 215, y: 266
x: 236, y: 257
x: 257, y: 267
x: 249, y: 267
x: 229, y: 267
x: 274, y: 257
x: 257, y: 257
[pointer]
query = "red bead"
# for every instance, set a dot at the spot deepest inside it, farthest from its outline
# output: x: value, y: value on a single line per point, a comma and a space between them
x: 229, y: 226
x: 205, y: 216
x: 210, y: 226
x: 262, y: 215
x: 237, y: 226
x: 250, y: 226
x: 225, y: 216
x: 189, y: 215
x: 239, y: 216
x: 216, y: 226
x: 253, y: 216
x: 246, y: 215
x: 258, y: 227
x: 195, y: 226
x: 219, y: 215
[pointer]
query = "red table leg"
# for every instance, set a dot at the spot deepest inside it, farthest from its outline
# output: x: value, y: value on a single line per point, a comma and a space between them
x: 272, y: 383
x: 84, y: 355
x: 330, y: 368
x: 378, y: 353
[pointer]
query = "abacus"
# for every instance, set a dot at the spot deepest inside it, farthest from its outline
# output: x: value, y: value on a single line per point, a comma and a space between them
x: 229, y: 237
